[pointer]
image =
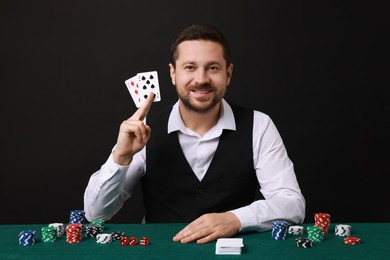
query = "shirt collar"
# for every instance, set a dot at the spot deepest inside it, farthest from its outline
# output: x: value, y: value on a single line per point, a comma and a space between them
x: 226, y: 120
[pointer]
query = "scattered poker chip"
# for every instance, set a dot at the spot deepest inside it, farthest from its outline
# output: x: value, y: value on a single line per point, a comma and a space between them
x: 342, y: 230
x: 351, y: 240
x: 295, y: 230
x: 124, y: 241
x: 144, y: 241
x: 26, y: 237
x: 104, y: 238
x: 133, y: 241
x: 117, y: 235
x: 304, y: 242
x: 279, y: 230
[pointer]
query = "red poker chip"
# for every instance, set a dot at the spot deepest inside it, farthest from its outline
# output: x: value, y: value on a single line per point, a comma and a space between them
x: 144, y: 241
x: 133, y: 241
x: 351, y: 240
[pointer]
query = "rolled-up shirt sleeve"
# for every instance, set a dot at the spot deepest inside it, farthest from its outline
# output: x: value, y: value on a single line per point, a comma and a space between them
x: 283, y: 199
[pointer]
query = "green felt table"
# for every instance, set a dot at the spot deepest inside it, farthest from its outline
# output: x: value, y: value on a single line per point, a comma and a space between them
x: 374, y: 236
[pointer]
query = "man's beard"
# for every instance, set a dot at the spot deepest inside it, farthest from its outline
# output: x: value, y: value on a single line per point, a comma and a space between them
x: 201, y: 109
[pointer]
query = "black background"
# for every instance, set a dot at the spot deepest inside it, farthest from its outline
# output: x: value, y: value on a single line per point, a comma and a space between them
x: 318, y: 68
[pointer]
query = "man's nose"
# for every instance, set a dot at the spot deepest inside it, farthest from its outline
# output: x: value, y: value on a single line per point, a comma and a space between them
x: 201, y: 77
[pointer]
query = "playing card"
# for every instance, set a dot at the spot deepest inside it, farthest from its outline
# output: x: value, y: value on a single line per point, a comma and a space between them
x: 141, y: 85
x: 133, y: 87
x: 148, y: 82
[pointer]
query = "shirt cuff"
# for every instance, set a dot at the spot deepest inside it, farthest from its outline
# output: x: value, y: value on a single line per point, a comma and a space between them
x: 247, y: 218
x: 113, y: 171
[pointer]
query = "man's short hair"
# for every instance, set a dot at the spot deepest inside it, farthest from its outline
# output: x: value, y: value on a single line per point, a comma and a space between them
x: 200, y: 32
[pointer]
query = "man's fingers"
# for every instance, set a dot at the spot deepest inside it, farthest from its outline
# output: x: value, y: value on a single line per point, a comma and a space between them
x: 142, y: 112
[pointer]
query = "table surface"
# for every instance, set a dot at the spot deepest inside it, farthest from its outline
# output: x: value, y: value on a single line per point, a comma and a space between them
x: 375, y: 245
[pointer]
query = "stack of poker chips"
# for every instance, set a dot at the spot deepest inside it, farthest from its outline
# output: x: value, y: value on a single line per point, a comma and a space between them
x: 295, y: 230
x: 77, y: 217
x: 92, y: 230
x: 99, y: 223
x: 304, y: 242
x: 315, y: 233
x: 59, y: 227
x: 104, y: 238
x: 74, y: 233
x: 322, y: 220
x: 26, y: 237
x: 279, y: 230
x: 342, y: 230
x: 49, y: 234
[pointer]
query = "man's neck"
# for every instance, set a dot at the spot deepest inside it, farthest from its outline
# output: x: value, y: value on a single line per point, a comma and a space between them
x: 200, y: 123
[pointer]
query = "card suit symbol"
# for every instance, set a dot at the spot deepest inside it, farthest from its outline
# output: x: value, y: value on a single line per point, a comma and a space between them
x: 152, y: 86
x: 144, y: 87
x: 148, y: 82
x: 143, y: 78
x: 151, y: 77
x: 145, y: 96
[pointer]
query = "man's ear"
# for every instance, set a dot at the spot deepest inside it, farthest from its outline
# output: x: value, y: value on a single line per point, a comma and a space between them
x: 172, y: 73
x: 229, y: 72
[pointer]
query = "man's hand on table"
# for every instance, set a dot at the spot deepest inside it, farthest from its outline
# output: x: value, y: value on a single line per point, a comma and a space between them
x: 209, y: 227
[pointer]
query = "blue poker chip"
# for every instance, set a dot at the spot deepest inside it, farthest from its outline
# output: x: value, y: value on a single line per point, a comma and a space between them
x: 77, y: 217
x: 26, y: 237
x: 279, y: 230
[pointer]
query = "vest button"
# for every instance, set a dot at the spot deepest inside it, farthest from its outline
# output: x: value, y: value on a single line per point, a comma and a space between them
x: 200, y: 191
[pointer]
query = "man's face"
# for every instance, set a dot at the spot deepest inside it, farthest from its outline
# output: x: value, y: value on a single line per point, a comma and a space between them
x: 201, y: 76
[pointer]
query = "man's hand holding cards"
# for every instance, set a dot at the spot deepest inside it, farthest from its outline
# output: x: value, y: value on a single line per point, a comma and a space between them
x: 141, y: 85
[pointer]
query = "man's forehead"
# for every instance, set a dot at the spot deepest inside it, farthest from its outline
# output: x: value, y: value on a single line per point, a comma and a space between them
x: 200, y: 50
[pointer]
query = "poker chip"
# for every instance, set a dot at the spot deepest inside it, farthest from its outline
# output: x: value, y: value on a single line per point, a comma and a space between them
x: 49, y: 234
x: 124, y: 241
x: 279, y: 230
x: 315, y: 233
x: 133, y: 241
x: 26, y: 237
x: 92, y: 230
x: 144, y: 241
x: 304, y: 242
x: 351, y: 240
x: 59, y: 227
x: 117, y: 235
x: 77, y: 217
x: 295, y: 230
x: 322, y: 220
x: 104, y: 238
x: 99, y: 223
x: 342, y: 230
x: 74, y: 233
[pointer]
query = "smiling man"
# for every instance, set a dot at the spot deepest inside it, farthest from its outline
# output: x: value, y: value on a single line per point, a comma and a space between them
x: 202, y: 160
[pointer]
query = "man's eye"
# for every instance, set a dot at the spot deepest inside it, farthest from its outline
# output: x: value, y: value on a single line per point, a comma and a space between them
x: 214, y: 68
x: 189, y: 67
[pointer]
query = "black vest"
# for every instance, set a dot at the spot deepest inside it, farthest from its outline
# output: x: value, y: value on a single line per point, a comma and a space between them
x: 172, y: 192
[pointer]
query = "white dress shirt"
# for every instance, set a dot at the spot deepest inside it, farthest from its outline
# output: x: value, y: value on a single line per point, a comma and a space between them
x: 113, y: 184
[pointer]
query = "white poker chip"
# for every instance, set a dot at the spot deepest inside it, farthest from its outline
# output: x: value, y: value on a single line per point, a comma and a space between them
x: 104, y: 238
